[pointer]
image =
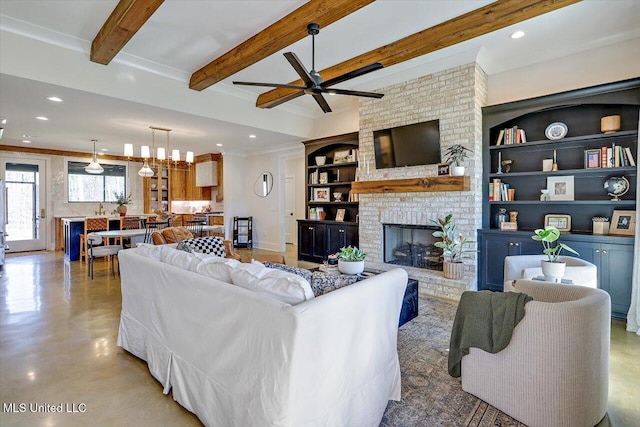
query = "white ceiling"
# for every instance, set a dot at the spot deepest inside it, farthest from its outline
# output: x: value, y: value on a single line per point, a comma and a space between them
x: 184, y: 35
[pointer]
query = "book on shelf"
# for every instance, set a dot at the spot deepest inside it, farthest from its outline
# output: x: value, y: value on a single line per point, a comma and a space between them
x: 611, y: 160
x: 630, y: 158
x: 523, y: 136
x: 491, y: 192
x: 500, y: 137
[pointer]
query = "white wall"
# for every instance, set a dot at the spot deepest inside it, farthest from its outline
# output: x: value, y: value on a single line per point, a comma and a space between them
x: 295, y: 167
x: 593, y: 67
x: 234, y: 176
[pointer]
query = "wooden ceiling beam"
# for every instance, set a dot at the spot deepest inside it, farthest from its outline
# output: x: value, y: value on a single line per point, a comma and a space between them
x: 484, y: 20
x: 274, y: 38
x: 125, y: 20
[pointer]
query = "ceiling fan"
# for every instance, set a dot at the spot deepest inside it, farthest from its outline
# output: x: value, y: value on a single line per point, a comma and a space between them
x: 313, y: 83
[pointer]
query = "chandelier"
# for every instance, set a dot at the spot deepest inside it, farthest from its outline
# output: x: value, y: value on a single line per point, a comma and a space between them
x: 159, y: 154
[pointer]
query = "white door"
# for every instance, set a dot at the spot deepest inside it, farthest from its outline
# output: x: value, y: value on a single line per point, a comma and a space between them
x: 24, y: 203
x: 289, y: 210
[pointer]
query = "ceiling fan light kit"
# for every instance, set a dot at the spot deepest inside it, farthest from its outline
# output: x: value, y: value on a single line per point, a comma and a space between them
x: 313, y: 83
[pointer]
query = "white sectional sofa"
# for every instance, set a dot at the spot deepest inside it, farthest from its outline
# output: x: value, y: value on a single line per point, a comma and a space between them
x: 242, y: 357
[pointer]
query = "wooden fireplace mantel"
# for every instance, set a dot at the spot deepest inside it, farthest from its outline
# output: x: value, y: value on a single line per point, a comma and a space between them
x: 413, y: 185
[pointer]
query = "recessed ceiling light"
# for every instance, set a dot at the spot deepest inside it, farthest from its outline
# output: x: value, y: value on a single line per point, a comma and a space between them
x: 104, y: 149
x: 42, y: 118
x: 252, y: 136
x: 26, y: 141
x: 518, y: 34
x: 219, y: 145
x: 27, y: 136
x: 3, y: 121
x: 54, y: 99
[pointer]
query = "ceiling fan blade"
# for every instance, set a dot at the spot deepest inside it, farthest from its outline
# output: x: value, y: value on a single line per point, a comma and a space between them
x: 353, y: 74
x: 284, y: 99
x: 269, y: 85
x: 354, y: 93
x: 322, y: 102
x: 299, y: 67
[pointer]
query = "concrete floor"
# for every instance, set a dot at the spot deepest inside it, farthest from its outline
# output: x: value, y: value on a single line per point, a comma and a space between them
x: 58, y: 351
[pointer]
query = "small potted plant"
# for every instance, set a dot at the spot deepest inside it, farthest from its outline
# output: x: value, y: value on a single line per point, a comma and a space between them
x: 122, y: 201
x: 452, y: 247
x: 351, y: 260
x: 552, y: 269
x: 455, y: 157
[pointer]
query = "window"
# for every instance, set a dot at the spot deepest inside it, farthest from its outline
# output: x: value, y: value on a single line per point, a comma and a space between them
x: 84, y: 187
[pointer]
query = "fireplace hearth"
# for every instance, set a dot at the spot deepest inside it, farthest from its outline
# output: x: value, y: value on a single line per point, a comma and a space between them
x: 412, y: 246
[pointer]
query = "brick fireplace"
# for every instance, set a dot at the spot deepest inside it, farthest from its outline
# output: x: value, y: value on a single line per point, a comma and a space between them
x: 455, y: 98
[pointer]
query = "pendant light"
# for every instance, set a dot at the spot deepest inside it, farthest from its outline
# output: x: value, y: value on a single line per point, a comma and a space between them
x: 94, y: 167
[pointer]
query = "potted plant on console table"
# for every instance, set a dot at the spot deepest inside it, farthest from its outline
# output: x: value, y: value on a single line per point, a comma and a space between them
x: 122, y: 201
x: 351, y: 260
x: 553, y: 270
x: 452, y: 247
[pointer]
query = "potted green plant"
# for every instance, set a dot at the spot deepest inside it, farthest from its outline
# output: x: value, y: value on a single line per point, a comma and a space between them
x: 122, y: 201
x: 552, y: 269
x: 351, y: 260
x: 455, y: 157
x: 452, y: 246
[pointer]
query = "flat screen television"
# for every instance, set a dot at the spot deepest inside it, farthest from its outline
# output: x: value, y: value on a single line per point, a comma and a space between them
x: 410, y: 145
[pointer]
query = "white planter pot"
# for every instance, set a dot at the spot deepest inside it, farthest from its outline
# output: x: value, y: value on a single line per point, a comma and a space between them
x: 456, y: 171
x: 350, y: 267
x: 553, y: 271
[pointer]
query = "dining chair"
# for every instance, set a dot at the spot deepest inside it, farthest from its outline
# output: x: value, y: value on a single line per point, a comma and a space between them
x: 152, y: 226
x: 97, y: 249
x: 195, y: 225
x: 91, y: 224
x: 130, y: 223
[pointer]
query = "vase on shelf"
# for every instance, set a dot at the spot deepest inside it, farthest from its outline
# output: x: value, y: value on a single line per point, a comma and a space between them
x: 553, y: 271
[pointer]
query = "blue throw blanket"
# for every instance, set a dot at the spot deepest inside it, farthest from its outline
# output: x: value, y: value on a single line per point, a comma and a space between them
x: 485, y: 320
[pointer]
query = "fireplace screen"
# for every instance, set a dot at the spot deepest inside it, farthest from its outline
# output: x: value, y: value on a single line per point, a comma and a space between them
x: 412, y: 246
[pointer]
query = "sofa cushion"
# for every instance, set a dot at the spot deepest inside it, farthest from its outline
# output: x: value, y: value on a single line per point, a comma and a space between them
x: 304, y: 273
x: 321, y: 283
x: 214, y: 267
x: 148, y: 250
x: 178, y: 258
x: 207, y: 245
x: 286, y: 287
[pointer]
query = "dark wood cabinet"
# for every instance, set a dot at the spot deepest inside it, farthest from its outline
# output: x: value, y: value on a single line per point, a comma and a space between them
x: 318, y: 239
x: 341, y: 235
x: 311, y: 241
x: 612, y: 255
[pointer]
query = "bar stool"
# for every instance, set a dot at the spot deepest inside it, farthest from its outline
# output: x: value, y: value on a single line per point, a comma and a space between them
x: 91, y: 224
x: 195, y: 225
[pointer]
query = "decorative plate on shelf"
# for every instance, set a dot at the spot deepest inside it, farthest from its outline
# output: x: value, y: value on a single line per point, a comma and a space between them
x: 616, y: 186
x: 556, y: 130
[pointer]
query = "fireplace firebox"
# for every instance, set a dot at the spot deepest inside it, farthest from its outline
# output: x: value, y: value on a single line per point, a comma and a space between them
x: 412, y: 246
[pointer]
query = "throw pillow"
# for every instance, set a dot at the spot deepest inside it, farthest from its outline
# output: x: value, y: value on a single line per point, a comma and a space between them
x: 284, y: 286
x: 321, y: 283
x: 207, y: 245
x: 182, y: 247
x: 306, y: 274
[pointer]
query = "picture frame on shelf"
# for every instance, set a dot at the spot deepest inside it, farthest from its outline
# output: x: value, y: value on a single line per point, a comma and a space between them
x: 623, y: 223
x: 340, y: 213
x: 324, y: 178
x: 560, y: 221
x: 560, y: 188
x: 592, y: 158
x: 443, y: 169
x: 341, y: 156
x: 321, y: 194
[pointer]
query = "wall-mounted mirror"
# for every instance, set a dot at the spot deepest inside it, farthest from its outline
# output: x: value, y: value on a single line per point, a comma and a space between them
x: 263, y: 184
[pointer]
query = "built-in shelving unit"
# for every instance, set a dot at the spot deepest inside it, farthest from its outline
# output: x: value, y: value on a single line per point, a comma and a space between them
x: 581, y: 111
x: 320, y: 234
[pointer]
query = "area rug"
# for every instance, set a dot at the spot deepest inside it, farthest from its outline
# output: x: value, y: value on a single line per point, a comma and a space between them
x: 430, y: 397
